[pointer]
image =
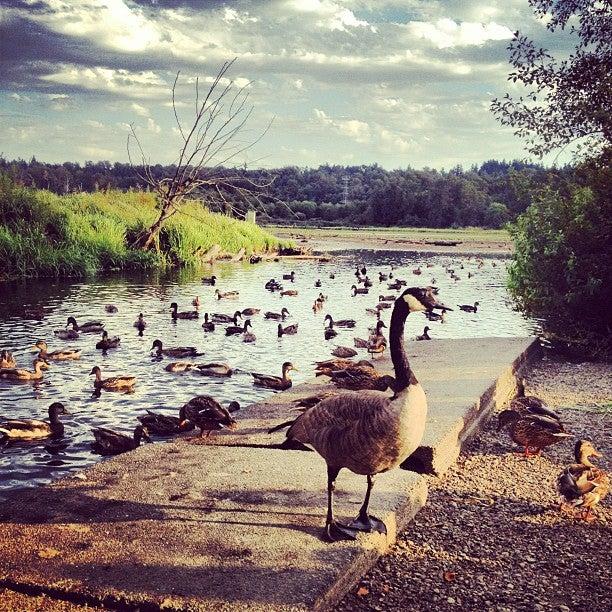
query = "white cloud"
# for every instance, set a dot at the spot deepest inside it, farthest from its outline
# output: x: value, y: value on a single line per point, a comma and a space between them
x: 95, y: 152
x: 19, y: 97
x: 92, y: 123
x: 139, y: 109
x: 448, y: 33
x: 152, y: 126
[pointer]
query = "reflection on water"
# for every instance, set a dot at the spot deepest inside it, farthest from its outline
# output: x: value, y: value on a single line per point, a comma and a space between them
x: 32, y: 310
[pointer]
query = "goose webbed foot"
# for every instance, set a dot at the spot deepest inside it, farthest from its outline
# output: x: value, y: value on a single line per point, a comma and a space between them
x: 336, y: 531
x: 368, y: 523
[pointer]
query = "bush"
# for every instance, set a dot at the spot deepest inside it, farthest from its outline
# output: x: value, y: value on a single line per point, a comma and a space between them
x: 561, y: 269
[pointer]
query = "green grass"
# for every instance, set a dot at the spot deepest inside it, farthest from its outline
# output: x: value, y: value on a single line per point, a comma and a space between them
x: 46, y: 235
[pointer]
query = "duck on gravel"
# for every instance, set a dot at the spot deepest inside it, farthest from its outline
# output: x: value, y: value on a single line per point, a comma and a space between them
x: 33, y: 429
x: 208, y: 414
x: 186, y: 314
x: 109, y: 442
x: 59, y: 355
x: 278, y: 383
x: 177, y: 351
x: 323, y: 368
x: 164, y: 425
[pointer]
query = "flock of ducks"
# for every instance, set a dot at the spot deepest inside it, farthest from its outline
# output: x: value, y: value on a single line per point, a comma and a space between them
x: 354, y: 427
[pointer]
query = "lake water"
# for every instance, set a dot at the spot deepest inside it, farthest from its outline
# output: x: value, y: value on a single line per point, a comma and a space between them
x: 32, y: 310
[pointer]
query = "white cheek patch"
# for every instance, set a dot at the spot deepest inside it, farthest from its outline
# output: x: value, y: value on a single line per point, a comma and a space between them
x: 414, y: 305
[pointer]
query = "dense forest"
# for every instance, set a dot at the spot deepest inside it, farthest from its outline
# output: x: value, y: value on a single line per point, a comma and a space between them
x: 486, y: 196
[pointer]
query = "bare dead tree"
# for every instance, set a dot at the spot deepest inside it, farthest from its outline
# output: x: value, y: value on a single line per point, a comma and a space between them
x: 216, y: 135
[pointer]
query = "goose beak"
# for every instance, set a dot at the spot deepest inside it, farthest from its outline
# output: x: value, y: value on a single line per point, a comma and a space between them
x: 440, y: 306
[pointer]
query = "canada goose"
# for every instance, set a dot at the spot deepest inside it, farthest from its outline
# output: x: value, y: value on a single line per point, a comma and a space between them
x: 468, y: 308
x: 290, y: 276
x: 60, y: 355
x: 278, y: 316
x: 140, y: 324
x: 368, y: 432
x: 344, y: 352
x: 341, y: 322
x: 208, y: 415
x: 196, y: 302
x: 208, y: 326
x: 164, y: 425
x: 178, y: 351
x: 227, y: 295
x: 289, y: 292
x: 532, y: 431
x: 218, y: 317
x: 249, y: 312
x: 425, y: 335
x: 111, y: 308
x: 109, y: 442
x: 209, y: 280
x: 187, y: 314
x: 278, y: 383
x: 214, y: 370
x: 115, y: 383
x: 32, y: 429
x: 233, y: 330
x: 89, y: 327
x: 359, y: 290
x: 108, y: 342
x: 7, y: 360
x: 582, y: 484
x: 20, y: 374
x: 290, y: 330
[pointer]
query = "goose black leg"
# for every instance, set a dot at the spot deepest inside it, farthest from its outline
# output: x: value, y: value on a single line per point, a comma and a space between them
x: 365, y: 521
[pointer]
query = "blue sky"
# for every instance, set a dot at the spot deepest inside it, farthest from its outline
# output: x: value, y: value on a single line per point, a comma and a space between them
x: 395, y: 82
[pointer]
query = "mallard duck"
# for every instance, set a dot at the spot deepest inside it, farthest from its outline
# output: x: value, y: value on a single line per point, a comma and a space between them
x: 382, y: 277
x: 434, y: 316
x: 341, y: 322
x: 384, y: 305
x: 369, y: 433
x: 32, y: 429
x: 289, y: 330
x: 358, y: 378
x: 532, y: 431
x: 425, y: 335
x: 359, y: 290
x: 279, y: 383
x: 20, y: 374
x: 583, y: 485
x: 377, y: 346
x: 164, y: 425
x: 115, y: 383
x: 318, y: 283
x: 196, y: 302
x: 208, y: 326
x: 178, y: 351
x: 227, y: 295
x: 468, y: 308
x: 89, y: 327
x: 273, y: 285
x: 209, y: 280
x: 7, y: 360
x: 332, y: 275
x: 249, y: 312
x: 278, y: 316
x: 344, y: 351
x: 367, y: 282
x: 417, y: 271
x: 109, y: 442
x: 322, y: 298
x: 180, y: 366
x: 529, y: 404
x: 374, y: 337
x: 289, y: 292
x: 386, y: 298
x: 107, y: 342
x: 60, y: 355
x: 140, y: 324
x: 394, y: 286
x: 290, y: 276
x: 187, y: 314
x: 206, y: 413
x: 323, y: 368
x: 234, y: 330
x: 249, y: 337
x: 218, y: 317
x: 317, y: 306
x: 215, y: 370
x: 111, y: 308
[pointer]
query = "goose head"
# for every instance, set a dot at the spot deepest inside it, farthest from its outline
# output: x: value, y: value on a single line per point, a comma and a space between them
x: 419, y: 299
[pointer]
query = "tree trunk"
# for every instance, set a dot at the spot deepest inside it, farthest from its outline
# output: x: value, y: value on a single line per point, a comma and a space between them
x: 146, y: 239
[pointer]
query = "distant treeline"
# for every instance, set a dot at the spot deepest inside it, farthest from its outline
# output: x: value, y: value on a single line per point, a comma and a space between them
x: 486, y: 196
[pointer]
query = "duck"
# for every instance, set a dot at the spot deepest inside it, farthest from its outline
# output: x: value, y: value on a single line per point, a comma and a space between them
x: 358, y: 377
x: 434, y: 316
x: 111, y: 308
x: 178, y: 351
x: 377, y: 346
x: 227, y: 295
x: 278, y: 383
x: 277, y: 316
x: 322, y: 298
x: 215, y: 370
x: 164, y: 425
x: 289, y: 330
x: 180, y: 366
x: 417, y: 271
x: 290, y: 276
x: 375, y: 336
x: 209, y: 280
x: 208, y: 415
x: 367, y: 282
x: 530, y: 404
x: 20, y: 374
x: 359, y: 290
x: 196, y: 302
x: 323, y: 368
x: 109, y: 442
x: 249, y: 337
x: 384, y: 305
x: 332, y: 275
x: 344, y: 352
x: 532, y: 431
x: 382, y: 277
x: 386, y: 298
x: 317, y: 306
x: 250, y: 312
x: 208, y: 326
x: 7, y: 360
x: 187, y: 314
x: 234, y: 330
x: 108, y: 342
x: 140, y: 324
x: 59, y: 355
x: 369, y: 432
x: 273, y: 285
x: 394, y: 286
x: 115, y: 383
x: 219, y: 317
x: 341, y: 322
x: 425, y: 335
x: 89, y: 327
x: 329, y: 332
x: 583, y: 485
x: 289, y: 292
x: 318, y: 283
x: 468, y: 308
x: 33, y: 429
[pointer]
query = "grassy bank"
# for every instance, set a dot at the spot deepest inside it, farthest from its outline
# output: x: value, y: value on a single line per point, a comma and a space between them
x: 46, y: 235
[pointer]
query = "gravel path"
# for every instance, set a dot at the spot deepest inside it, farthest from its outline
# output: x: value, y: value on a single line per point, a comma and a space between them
x: 491, y: 536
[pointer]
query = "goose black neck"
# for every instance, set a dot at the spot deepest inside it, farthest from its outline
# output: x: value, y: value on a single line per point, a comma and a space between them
x: 403, y: 374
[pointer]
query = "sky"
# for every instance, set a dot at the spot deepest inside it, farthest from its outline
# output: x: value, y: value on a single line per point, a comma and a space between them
x: 394, y: 82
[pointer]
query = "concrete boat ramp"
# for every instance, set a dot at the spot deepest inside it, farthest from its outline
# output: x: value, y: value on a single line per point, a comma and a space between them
x: 234, y: 523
